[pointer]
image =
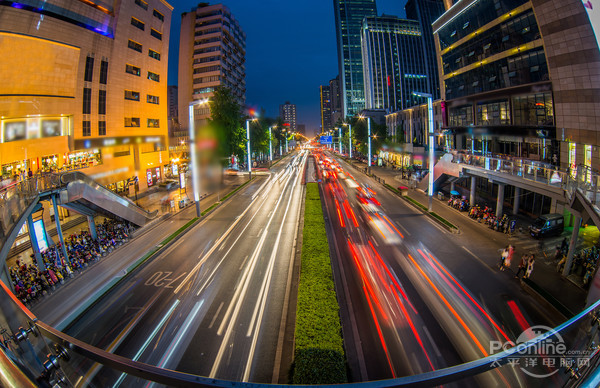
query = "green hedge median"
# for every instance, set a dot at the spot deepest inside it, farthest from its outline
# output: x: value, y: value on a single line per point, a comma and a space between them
x: 319, y: 356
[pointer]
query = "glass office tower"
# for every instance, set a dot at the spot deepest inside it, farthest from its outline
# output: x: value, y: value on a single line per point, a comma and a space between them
x: 349, y: 15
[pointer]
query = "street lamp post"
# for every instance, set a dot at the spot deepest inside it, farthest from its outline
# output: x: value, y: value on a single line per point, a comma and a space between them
x: 195, y: 166
x: 340, y: 139
x: 369, y: 135
x: 431, y: 146
x: 248, y: 147
x: 349, y: 140
x: 270, y: 146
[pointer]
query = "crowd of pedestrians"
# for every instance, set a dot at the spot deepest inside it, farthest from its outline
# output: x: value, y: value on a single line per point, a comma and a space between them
x: 30, y: 282
x: 525, y: 265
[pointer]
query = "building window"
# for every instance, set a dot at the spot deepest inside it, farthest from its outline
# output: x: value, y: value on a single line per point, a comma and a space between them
x: 534, y: 109
x: 158, y: 15
x: 87, y: 101
x: 131, y: 95
x: 152, y: 99
x: 132, y: 121
x: 134, y: 46
x: 155, y: 34
x: 142, y: 4
x: 87, y: 128
x: 153, y: 76
x: 153, y: 123
x: 104, y: 72
x: 493, y: 113
x: 89, y: 69
x: 154, y: 54
x: 133, y: 70
x: 138, y: 23
x: 102, y: 102
x: 101, y: 128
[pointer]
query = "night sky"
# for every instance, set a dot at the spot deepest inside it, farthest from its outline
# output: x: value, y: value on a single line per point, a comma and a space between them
x: 290, y: 50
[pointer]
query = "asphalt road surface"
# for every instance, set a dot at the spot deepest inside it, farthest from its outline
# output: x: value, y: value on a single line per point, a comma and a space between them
x: 213, y: 303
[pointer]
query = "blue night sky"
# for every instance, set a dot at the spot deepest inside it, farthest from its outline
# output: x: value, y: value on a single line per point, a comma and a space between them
x: 290, y: 50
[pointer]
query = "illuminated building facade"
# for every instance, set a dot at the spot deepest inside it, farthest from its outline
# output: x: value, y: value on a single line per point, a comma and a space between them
x: 349, y: 15
x: 393, y: 63
x: 521, y: 78
x: 86, y: 89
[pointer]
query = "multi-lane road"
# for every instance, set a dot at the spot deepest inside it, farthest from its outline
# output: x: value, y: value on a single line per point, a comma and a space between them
x: 215, y: 302
x: 416, y: 297
x: 413, y: 296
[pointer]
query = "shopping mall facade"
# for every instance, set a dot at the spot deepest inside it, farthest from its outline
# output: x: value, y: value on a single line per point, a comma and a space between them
x: 84, y: 86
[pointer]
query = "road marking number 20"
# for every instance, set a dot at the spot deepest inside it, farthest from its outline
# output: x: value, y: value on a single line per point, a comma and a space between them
x: 162, y: 279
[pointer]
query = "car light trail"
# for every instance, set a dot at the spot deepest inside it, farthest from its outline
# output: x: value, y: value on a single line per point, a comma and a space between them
x: 469, y: 296
x: 385, y: 349
x: 339, y: 213
x: 365, y: 279
x: 149, y: 339
x: 452, y: 310
x: 393, y: 226
x: 351, y: 212
x: 519, y: 316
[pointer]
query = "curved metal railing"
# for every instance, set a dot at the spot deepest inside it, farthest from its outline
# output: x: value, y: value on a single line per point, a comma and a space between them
x: 36, y: 358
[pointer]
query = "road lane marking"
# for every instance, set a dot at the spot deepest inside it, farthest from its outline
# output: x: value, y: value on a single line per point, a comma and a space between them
x: 212, y: 322
x: 243, y: 262
x: 403, y: 228
x: 435, y: 348
x: 478, y: 259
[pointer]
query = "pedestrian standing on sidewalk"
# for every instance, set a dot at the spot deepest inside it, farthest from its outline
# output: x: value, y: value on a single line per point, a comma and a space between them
x: 522, y: 265
x: 530, y: 266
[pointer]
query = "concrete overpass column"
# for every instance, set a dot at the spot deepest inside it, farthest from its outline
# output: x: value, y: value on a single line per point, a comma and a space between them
x: 92, y: 225
x: 500, y: 199
x: 517, y: 202
x: 452, y: 186
x: 59, y: 229
x: 572, y: 245
x: 472, y: 194
x: 34, y: 244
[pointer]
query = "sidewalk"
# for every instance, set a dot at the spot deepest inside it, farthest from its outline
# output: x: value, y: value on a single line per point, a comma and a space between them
x: 545, y: 284
x: 67, y: 301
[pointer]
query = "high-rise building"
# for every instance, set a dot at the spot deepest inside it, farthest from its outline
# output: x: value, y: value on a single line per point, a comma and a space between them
x: 302, y: 129
x: 519, y: 79
x: 84, y: 86
x: 426, y: 12
x: 325, y: 107
x: 349, y: 15
x: 336, y: 100
x: 287, y: 112
x: 173, y: 106
x: 393, y: 64
x: 212, y: 52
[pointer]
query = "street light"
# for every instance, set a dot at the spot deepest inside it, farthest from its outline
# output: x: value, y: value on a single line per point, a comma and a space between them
x: 271, y: 144
x: 431, y: 140
x: 195, y: 166
x: 248, y: 147
x: 349, y: 139
x: 369, y: 139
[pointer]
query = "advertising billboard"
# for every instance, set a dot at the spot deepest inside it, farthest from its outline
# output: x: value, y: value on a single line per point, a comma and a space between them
x: 40, y: 234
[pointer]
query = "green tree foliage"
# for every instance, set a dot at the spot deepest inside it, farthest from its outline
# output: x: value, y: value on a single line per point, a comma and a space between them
x: 227, y: 122
x: 360, y: 135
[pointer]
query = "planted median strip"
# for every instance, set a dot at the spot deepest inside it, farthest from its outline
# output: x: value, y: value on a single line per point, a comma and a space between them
x: 319, y: 356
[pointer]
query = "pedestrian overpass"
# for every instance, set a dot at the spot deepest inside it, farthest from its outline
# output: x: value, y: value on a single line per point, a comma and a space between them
x: 73, y: 190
